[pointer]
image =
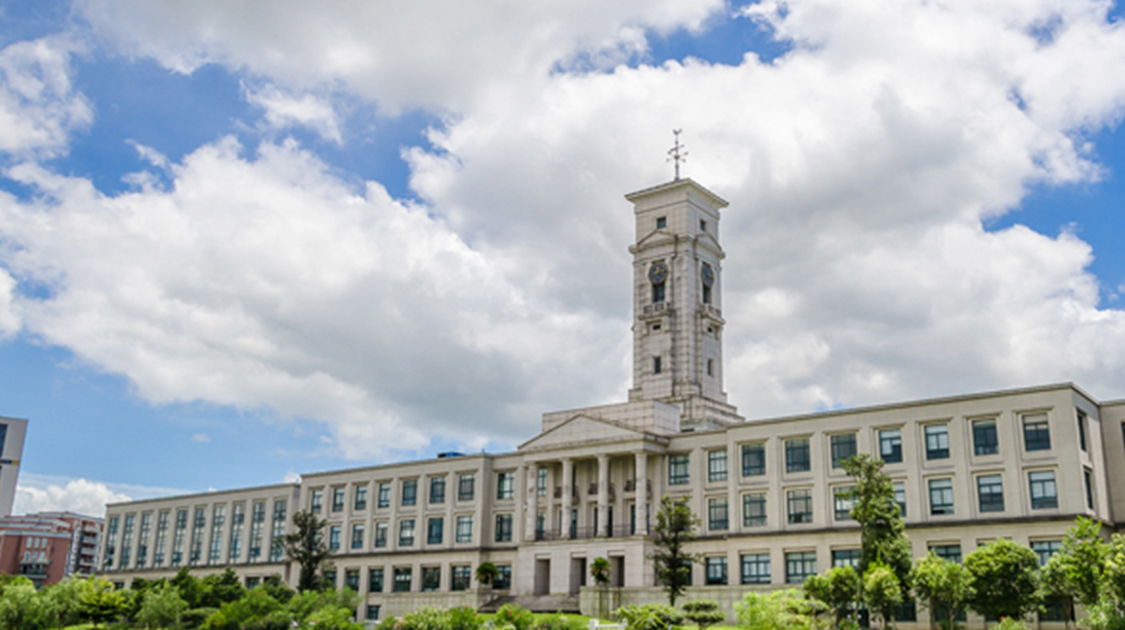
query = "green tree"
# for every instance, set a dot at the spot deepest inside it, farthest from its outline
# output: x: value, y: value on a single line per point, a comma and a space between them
x: 838, y: 589
x: 600, y: 570
x: 66, y: 599
x: 162, y: 607
x: 941, y: 585
x: 189, y: 587
x: 22, y: 608
x: 1082, y: 557
x: 703, y: 612
x: 882, y: 531
x: 1053, y: 585
x: 306, y: 546
x: 101, y: 603
x: 778, y: 610
x: 222, y: 588
x: 674, y: 529
x: 1005, y: 580
x: 881, y: 591
x: 486, y: 573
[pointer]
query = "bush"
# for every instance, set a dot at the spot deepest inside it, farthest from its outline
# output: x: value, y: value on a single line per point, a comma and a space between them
x: 464, y: 618
x: 427, y: 618
x: 278, y: 620
x: 779, y: 610
x: 162, y: 607
x: 559, y: 622
x: 649, y: 616
x: 703, y: 612
x: 332, y: 617
x: 516, y: 616
x: 1008, y: 623
x: 387, y: 624
x: 196, y: 617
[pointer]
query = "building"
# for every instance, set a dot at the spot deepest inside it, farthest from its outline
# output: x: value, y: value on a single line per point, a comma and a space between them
x: 968, y: 469
x: 49, y: 546
x: 12, y: 432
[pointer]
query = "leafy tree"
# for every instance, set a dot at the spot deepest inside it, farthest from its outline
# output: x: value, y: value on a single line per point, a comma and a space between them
x: 257, y: 604
x: 487, y: 573
x: 778, y: 610
x: 306, y: 546
x: 882, y: 531
x: 1053, y: 585
x: 648, y: 616
x: 21, y: 608
x: 703, y: 612
x: 277, y: 589
x: 941, y: 585
x: 1004, y: 580
x: 101, y: 603
x: 838, y: 589
x: 162, y: 607
x: 674, y: 529
x: 66, y: 599
x: 189, y: 587
x: 222, y: 588
x: 881, y: 591
x: 600, y: 570
x: 1082, y: 557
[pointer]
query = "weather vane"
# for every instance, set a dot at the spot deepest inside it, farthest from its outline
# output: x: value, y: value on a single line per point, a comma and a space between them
x: 676, y: 154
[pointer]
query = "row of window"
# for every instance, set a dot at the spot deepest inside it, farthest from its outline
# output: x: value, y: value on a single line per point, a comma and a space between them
x: 407, y: 534
x: 408, y: 495
x: 430, y: 579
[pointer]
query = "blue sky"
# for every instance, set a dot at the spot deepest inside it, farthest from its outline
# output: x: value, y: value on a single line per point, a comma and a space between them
x: 235, y: 249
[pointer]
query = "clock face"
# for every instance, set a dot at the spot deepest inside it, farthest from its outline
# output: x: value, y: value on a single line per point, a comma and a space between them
x: 708, y: 275
x: 657, y: 272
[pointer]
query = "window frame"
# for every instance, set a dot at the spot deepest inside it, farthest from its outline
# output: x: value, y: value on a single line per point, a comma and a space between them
x: 986, y: 437
x: 798, y: 455
x: 805, y: 561
x: 750, y: 500
x: 718, y: 514
x: 759, y: 561
x: 993, y: 499
x: 842, y: 446
x: 944, y: 491
x: 1036, y: 431
x: 890, y: 445
x: 1045, y: 501
x: 754, y: 459
x: 795, y: 500
x: 679, y: 469
x: 717, y: 465
x: 937, y: 441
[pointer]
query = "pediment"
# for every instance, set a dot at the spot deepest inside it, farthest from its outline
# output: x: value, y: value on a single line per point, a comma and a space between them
x: 655, y: 237
x: 580, y: 430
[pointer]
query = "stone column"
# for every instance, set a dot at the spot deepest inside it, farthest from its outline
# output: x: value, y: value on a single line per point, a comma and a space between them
x: 603, y: 495
x: 532, y: 501
x: 641, y: 476
x: 567, y: 497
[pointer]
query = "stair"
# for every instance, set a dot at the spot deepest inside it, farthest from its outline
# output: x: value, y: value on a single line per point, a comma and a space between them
x: 535, y: 603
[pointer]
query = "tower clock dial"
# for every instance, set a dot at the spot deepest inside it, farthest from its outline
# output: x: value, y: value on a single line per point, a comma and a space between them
x: 657, y: 272
x: 708, y: 275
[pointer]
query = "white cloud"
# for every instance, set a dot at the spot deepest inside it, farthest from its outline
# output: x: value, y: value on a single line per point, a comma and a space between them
x: 38, y: 106
x: 201, y: 438
x: 284, y: 110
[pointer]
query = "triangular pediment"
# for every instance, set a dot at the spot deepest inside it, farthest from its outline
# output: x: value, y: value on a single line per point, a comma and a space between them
x: 655, y: 237
x: 580, y: 430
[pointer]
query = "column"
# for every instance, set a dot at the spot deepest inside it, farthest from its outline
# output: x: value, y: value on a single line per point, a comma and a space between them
x: 603, y: 495
x: 567, y: 497
x: 532, y: 501
x: 642, y: 492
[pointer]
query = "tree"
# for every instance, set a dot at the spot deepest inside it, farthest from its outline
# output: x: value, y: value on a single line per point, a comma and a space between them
x: 101, y: 603
x: 882, y: 531
x: 1053, y: 585
x: 487, y: 573
x: 838, y: 588
x: 162, y: 607
x: 600, y: 570
x: 222, y: 588
x: 307, y: 548
x: 881, y: 591
x: 1004, y: 580
x: 674, y: 529
x: 1082, y: 557
x: 703, y: 612
x: 189, y: 587
x: 21, y: 608
x: 941, y: 585
x: 778, y: 610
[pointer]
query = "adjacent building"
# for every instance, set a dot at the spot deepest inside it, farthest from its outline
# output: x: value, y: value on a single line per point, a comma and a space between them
x: 1020, y: 464
x: 49, y: 546
x: 12, y: 432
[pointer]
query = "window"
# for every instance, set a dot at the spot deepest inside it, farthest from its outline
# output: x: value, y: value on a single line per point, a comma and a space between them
x: 846, y: 558
x: 1082, y: 431
x: 890, y: 445
x: 755, y: 568
x: 360, y: 500
x: 402, y: 580
x: 437, y: 490
x: 503, y: 579
x: 1044, y: 494
x: 702, y: 225
x: 464, y: 529
x: 431, y: 579
x: 937, y: 441
x: 384, y: 495
x: 375, y: 580
x: 257, y: 523
x: 406, y: 532
x: 716, y: 571
x: 900, y: 496
x: 990, y: 490
x: 797, y: 455
x: 947, y: 552
x: 357, y: 536
x: 799, y: 565
x: 373, y: 612
x: 337, y: 499
x: 656, y: 365
x: 334, y: 537
x: 754, y: 509
x: 1089, y: 482
x: 717, y: 465
x: 844, y: 501
x: 1036, y: 432
x: 351, y: 579
x: 717, y: 514
x: 380, y: 534
x: 657, y: 292
x: 843, y: 447
x: 330, y: 579
x: 435, y: 528
x: 409, y: 491
x: 678, y: 470
x: 985, y: 439
x: 505, y: 485
x: 462, y: 578
x: 941, y: 496
x: 316, y: 498
x: 1055, y: 609
x: 661, y: 223
x: 753, y: 460
x: 710, y: 362
x: 800, y: 506
x: 465, y: 485
x: 503, y: 528
x: 541, y: 482
x: 1045, y: 549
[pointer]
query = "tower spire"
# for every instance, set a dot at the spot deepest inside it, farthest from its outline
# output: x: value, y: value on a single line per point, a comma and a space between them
x: 676, y: 154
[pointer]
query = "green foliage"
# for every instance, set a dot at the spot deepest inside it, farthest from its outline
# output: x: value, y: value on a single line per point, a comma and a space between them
x: 1004, y: 580
x: 277, y: 589
x: 196, y: 617
x: 881, y: 591
x: 600, y: 570
x: 516, y: 616
x: 882, y: 531
x: 303, y: 605
x: 307, y: 547
x: 99, y: 602
x: 332, y: 617
x: 222, y: 588
x: 278, y: 620
x: 1010, y: 623
x: 941, y: 584
x: 1114, y: 575
x: 486, y: 573
x: 389, y: 623
x: 464, y: 618
x: 190, y: 589
x: 427, y: 618
x: 674, y: 529
x: 1053, y: 585
x: 162, y: 607
x: 648, y: 617
x: 703, y: 612
x: 21, y: 608
x: 66, y: 599
x: 1105, y: 615
x: 838, y: 589
x: 559, y: 622
x: 778, y: 610
x: 1083, y: 555
x: 257, y: 604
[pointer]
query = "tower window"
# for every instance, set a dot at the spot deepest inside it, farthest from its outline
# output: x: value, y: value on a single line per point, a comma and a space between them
x: 706, y: 294
x: 661, y: 223
x: 702, y: 225
x: 656, y: 365
x: 657, y: 292
x: 710, y: 367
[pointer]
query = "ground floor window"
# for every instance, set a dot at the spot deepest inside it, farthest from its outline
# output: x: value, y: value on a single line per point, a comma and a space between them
x: 431, y: 579
x: 716, y: 571
x: 462, y: 577
x: 799, y: 565
x: 756, y: 568
x: 372, y: 612
x: 503, y: 580
x: 402, y: 579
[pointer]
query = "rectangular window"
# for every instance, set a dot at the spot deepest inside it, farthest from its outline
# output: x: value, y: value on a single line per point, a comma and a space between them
x: 1044, y: 493
x: 890, y: 445
x: 753, y: 460
x: 462, y: 578
x: 754, y: 509
x: 1045, y: 549
x: 717, y: 518
x: 678, y: 470
x: 503, y: 580
x: 402, y: 579
x: 464, y: 529
x: 716, y: 571
x: 375, y: 580
x: 541, y: 482
x: 661, y: 223
x: 656, y: 367
x: 846, y: 558
x: 351, y: 579
x: 1089, y: 480
x: 941, y: 496
x: 278, y: 529
x: 843, y: 502
x: 161, y: 538
x: 431, y: 579
x: 435, y: 529
x: 1082, y: 431
x: 257, y: 525
x: 384, y: 495
x: 797, y: 455
x: 197, y: 525
x: 657, y: 293
x: 505, y: 485
x: 437, y: 490
x: 338, y: 499
x: 380, y: 539
x: 465, y: 486
x: 373, y: 612
x: 800, y: 506
x: 406, y: 532
x: 357, y: 536
x: 717, y: 465
x: 985, y: 439
x: 900, y: 496
x: 360, y: 501
x: 799, y: 565
x: 503, y: 528
x: 409, y: 492
x: 937, y: 441
x: 316, y: 498
x: 755, y: 568
x: 990, y: 490
x: 843, y: 447
x: 1036, y: 432
x: 142, y: 543
x: 334, y: 537
x: 947, y: 552
x: 177, y: 538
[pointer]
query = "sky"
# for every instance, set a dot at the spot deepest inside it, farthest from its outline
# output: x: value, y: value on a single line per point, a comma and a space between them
x: 244, y: 241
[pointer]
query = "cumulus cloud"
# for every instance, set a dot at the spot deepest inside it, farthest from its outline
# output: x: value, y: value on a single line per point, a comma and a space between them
x: 77, y: 495
x: 38, y: 105
x: 284, y: 110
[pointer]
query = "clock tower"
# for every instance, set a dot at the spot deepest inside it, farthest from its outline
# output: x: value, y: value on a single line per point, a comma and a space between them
x: 677, y: 303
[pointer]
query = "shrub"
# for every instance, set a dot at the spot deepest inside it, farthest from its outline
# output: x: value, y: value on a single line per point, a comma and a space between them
x: 516, y: 616
x: 162, y: 607
x: 464, y: 618
x: 427, y: 618
x: 703, y: 612
x: 649, y: 616
x: 1008, y: 623
x: 196, y: 617
x: 779, y: 610
x: 277, y: 620
x: 559, y: 622
x: 387, y: 624
x: 332, y: 617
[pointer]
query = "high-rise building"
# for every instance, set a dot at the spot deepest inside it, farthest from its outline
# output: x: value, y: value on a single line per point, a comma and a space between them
x: 49, y: 546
